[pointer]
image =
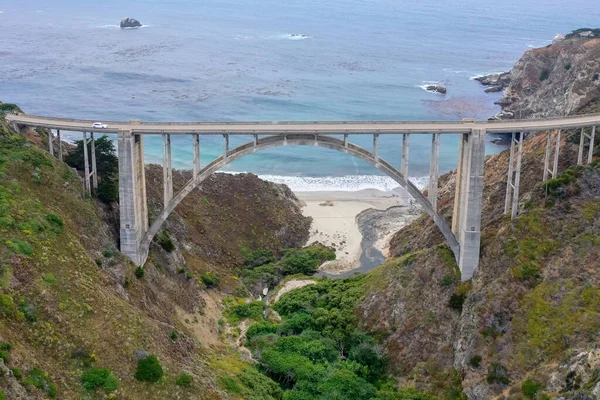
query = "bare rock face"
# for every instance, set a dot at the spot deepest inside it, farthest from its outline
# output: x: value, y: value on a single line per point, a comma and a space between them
x: 494, y: 82
x: 553, y: 81
x: 130, y: 23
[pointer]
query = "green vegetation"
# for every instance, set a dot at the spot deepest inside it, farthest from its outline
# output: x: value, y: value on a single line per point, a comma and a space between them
x: 139, y: 272
x: 20, y: 246
x: 531, y: 388
x: 5, y: 107
x: 17, y: 373
x: 108, y: 253
x: 475, y: 361
x: 546, y: 319
x: 149, y: 369
x: 497, y: 374
x: 107, y: 164
x: 458, y: 298
x: 97, y: 378
x: 184, y: 380
x: 545, y: 74
x: 39, y: 379
x: 575, y: 34
x: 263, y: 269
x: 209, y: 279
x: 568, y: 66
x: 556, y: 187
x: 164, y: 240
x: 317, y: 351
x: 174, y: 336
x: 236, y: 309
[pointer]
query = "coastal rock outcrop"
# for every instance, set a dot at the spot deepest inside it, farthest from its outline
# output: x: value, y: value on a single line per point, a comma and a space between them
x: 555, y: 80
x: 494, y: 82
x: 130, y: 23
x: 439, y: 88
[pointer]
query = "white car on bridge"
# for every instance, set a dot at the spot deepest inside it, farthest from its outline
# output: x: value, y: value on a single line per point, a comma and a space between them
x: 99, y: 125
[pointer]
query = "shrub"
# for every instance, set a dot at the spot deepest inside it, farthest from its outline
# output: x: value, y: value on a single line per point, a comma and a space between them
x: 174, y: 336
x: 252, y: 310
x: 447, y: 280
x: 17, y: 373
x: 184, y: 380
x: 526, y: 272
x: 4, y: 107
x: 530, y: 388
x: 209, y: 279
x: 6, y: 346
x: 108, y: 190
x: 258, y: 258
x: 56, y: 222
x: 2, y: 395
x: 108, y: 253
x: 149, y: 369
x: 459, y: 296
x: 100, y: 378
x: 545, y: 74
x: 475, y: 361
x: 4, y: 356
x: 139, y: 272
x: 20, y: 246
x: 497, y: 374
x: 39, y: 379
x: 230, y: 385
x: 49, y: 278
x: 568, y: 66
x: 164, y: 240
x: 261, y: 328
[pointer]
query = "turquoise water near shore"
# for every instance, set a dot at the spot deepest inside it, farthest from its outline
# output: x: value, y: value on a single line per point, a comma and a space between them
x: 225, y: 60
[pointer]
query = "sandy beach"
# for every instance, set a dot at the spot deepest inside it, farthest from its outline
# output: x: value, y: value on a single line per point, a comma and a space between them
x: 335, y: 222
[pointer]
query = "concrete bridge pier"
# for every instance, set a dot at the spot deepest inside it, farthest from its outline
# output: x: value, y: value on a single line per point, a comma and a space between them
x: 404, y: 159
x: 434, y: 170
x: 60, y: 150
x: 167, y: 170
x: 132, y: 196
x: 466, y: 219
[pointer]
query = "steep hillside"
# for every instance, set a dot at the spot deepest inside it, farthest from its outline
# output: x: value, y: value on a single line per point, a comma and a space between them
x: 529, y: 319
x: 76, y: 317
x: 556, y: 80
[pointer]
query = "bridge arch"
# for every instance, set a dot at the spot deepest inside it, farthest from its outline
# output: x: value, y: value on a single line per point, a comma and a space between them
x: 302, y: 140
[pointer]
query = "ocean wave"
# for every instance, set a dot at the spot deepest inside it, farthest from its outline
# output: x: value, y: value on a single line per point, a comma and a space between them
x: 291, y: 36
x: 348, y: 183
x: 486, y: 74
x: 117, y: 26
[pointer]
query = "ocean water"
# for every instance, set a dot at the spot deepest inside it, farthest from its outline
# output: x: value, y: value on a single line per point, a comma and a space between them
x: 226, y: 60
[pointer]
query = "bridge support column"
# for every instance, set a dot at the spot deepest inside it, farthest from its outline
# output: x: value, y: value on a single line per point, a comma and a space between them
x: 132, y: 196
x: 86, y: 166
x: 511, y: 202
x: 466, y: 222
x: 60, y: 151
x: 591, y: 151
x: 376, y: 146
x: 167, y: 170
x: 196, y: 140
x: 225, y: 146
x: 50, y: 142
x: 94, y: 169
x: 404, y: 160
x: 434, y: 170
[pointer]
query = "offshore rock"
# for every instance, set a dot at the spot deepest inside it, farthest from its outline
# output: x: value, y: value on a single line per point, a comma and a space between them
x: 130, y: 23
x: 437, y: 89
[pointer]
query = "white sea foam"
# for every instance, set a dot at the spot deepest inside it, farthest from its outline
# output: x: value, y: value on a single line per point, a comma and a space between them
x: 291, y: 36
x: 486, y: 74
x: 425, y: 84
x: 348, y: 183
x: 116, y: 26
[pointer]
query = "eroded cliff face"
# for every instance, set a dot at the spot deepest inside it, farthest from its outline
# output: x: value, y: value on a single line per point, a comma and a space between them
x: 553, y: 81
x: 530, y: 316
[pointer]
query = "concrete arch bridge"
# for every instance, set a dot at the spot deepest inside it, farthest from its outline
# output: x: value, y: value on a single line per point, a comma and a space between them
x: 463, y: 236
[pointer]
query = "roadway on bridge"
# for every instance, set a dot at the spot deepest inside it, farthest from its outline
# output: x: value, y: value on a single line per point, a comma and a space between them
x: 316, y: 127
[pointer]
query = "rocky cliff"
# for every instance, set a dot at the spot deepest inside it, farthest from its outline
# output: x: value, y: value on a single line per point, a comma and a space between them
x: 76, y: 316
x: 556, y: 80
x: 526, y: 325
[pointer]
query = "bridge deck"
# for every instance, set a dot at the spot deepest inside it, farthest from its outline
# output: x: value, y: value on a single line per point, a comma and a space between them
x: 315, y: 127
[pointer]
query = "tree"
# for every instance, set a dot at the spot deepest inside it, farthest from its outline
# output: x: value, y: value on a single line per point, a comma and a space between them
x: 106, y: 162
